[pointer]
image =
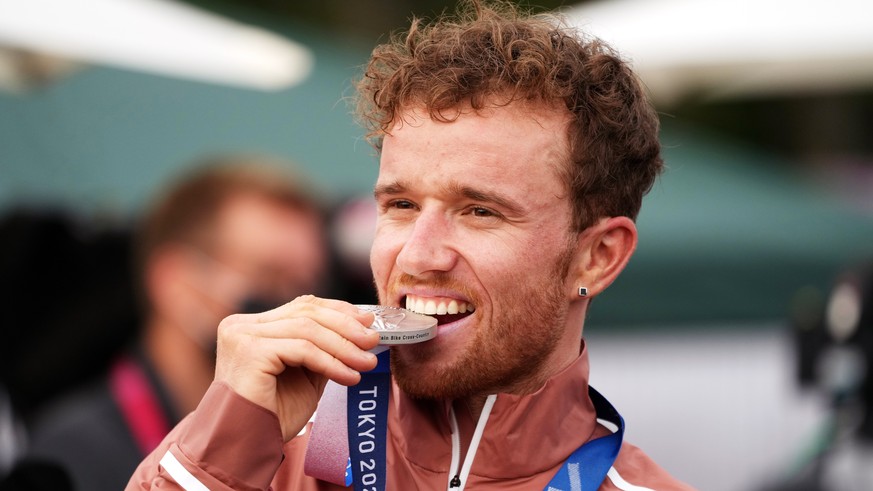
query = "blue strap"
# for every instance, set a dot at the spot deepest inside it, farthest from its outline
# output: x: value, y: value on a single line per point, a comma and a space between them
x: 587, y: 466
x: 368, y: 425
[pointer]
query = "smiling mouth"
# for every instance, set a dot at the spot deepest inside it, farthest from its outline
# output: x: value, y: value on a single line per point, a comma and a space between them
x: 445, y: 310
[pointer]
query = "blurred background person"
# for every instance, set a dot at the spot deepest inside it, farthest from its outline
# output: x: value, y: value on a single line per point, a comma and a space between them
x: 236, y: 234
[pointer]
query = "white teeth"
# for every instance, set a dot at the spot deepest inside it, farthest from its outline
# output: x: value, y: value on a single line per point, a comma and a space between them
x: 437, y: 306
x: 452, y: 308
x: 430, y: 307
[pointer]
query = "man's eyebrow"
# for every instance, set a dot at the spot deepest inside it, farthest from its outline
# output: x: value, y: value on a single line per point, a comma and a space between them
x: 390, y: 188
x: 455, y: 189
x: 474, y: 194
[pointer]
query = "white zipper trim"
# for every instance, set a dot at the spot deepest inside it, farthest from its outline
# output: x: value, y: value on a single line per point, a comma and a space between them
x: 456, y: 448
x: 474, y: 444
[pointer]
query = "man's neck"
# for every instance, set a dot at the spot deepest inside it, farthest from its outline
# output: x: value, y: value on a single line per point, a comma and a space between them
x: 182, y: 366
x: 471, y: 405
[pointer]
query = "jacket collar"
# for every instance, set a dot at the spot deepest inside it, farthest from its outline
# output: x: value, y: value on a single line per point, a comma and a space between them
x: 548, y: 424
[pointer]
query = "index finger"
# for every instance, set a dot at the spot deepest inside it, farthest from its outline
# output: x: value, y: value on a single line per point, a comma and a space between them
x: 321, y: 309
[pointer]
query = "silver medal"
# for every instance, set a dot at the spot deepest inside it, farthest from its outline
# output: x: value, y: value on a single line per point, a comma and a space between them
x: 401, y: 326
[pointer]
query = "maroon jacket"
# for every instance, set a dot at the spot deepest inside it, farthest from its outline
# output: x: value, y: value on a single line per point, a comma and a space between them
x: 231, y: 443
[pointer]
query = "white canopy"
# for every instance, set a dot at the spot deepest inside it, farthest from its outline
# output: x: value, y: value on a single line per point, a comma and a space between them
x: 721, y: 48
x: 159, y: 36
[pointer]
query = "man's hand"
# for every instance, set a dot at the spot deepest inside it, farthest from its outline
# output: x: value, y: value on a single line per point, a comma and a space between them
x: 282, y: 359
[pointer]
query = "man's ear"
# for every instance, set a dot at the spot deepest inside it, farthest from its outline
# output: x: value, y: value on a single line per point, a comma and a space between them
x: 604, y: 250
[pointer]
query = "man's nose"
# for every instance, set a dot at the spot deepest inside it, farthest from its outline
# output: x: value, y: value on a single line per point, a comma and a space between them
x: 428, y: 248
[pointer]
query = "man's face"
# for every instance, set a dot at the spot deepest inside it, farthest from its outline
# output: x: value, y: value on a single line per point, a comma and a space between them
x: 474, y: 226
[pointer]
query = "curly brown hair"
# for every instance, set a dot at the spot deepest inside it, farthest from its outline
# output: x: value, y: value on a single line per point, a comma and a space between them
x: 494, y: 54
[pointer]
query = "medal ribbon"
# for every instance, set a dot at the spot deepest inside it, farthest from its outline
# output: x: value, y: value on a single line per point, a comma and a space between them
x: 587, y: 466
x: 367, y: 410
